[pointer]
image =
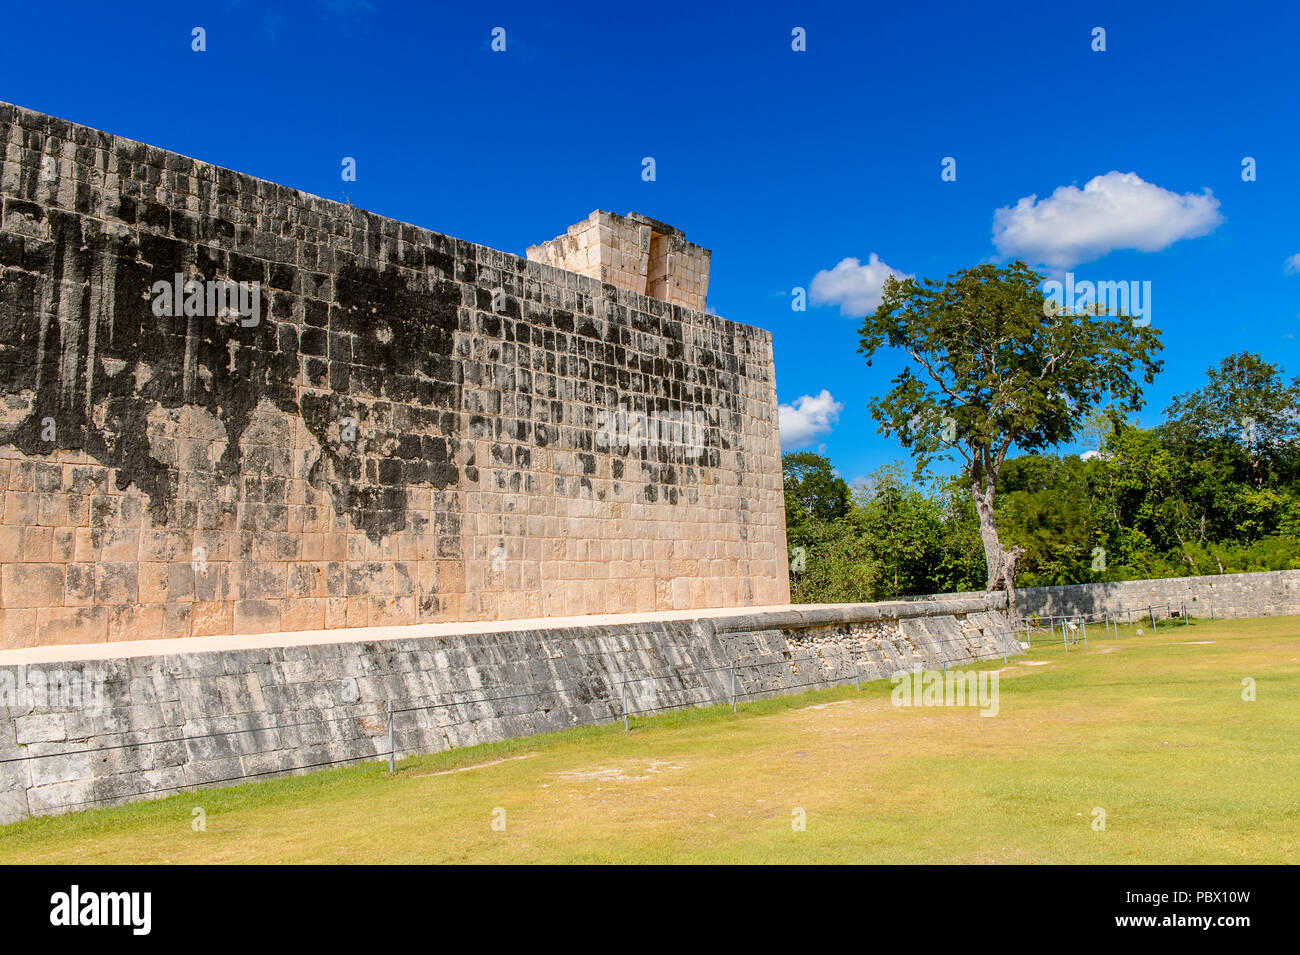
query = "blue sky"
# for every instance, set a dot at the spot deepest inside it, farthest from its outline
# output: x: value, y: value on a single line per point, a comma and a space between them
x: 783, y: 163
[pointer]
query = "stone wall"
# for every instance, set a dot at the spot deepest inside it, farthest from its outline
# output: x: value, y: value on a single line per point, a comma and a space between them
x: 1274, y: 593
x: 407, y: 428
x: 89, y: 726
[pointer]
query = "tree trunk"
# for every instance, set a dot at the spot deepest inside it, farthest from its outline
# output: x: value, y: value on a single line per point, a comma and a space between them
x: 1009, y: 561
x: 1001, y: 563
x: 988, y: 534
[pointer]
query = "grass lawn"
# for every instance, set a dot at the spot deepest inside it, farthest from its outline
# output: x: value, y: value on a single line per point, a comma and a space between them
x: 1151, y: 729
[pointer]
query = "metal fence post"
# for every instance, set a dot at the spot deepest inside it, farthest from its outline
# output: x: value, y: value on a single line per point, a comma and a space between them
x: 390, y: 736
x: 1085, y: 633
x: 1186, y: 622
x: 733, y: 686
x: 622, y: 677
x: 1152, y: 611
x: 857, y: 677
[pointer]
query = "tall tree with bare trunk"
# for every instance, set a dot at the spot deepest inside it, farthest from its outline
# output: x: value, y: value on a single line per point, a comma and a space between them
x: 992, y: 364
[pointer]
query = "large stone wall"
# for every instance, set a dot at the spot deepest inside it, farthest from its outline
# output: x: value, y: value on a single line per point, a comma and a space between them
x: 90, y: 726
x: 410, y: 428
x: 1273, y: 593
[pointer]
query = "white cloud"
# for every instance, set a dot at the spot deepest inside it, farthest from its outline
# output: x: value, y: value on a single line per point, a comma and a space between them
x: 854, y: 287
x: 1114, y: 211
x: 808, y: 417
x: 1292, y: 265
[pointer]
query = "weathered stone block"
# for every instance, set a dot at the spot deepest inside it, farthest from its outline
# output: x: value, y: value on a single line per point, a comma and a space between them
x: 32, y: 585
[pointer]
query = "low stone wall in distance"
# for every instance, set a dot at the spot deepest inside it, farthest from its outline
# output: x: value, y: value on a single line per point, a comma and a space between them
x: 1269, y: 594
x: 1274, y: 593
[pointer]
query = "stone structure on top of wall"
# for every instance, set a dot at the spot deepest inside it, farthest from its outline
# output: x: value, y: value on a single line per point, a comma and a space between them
x: 632, y: 252
x: 227, y: 406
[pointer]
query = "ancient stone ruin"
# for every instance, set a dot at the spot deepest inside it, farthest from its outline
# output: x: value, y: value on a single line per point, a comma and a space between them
x: 227, y: 406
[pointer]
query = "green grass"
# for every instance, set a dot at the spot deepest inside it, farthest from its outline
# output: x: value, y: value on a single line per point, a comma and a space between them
x: 1151, y: 728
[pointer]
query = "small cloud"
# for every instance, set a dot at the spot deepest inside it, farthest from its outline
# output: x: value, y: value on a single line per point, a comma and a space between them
x: 1114, y: 211
x: 854, y: 287
x: 807, y: 418
x: 1292, y: 265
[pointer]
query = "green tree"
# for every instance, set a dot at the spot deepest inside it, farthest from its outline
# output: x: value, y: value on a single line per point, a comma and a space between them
x: 994, y: 366
x: 831, y: 562
x: 961, y: 558
x: 1174, y: 502
x: 1245, y: 406
x: 905, y: 531
x: 813, y: 491
x: 1046, y: 507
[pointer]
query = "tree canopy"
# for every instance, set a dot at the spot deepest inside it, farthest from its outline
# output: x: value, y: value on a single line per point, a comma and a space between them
x: 813, y: 491
x: 1170, y: 500
x: 993, y: 366
x: 1245, y: 404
